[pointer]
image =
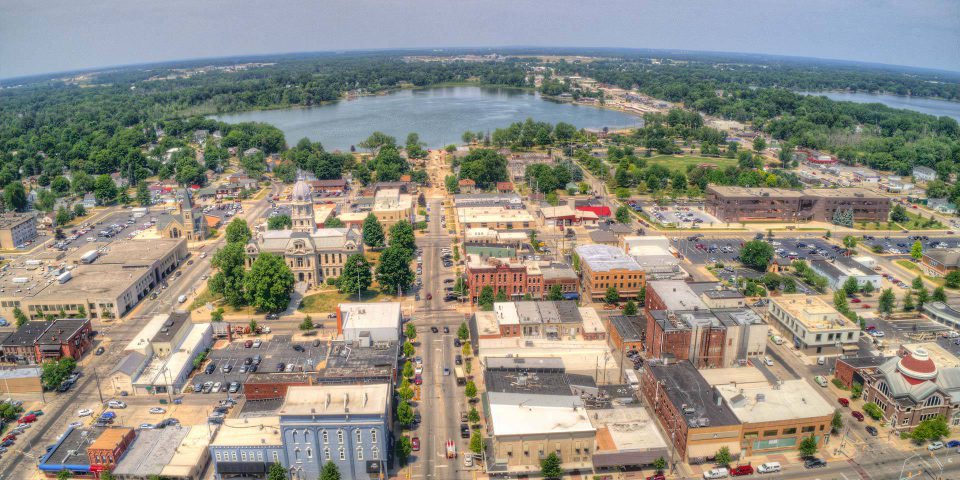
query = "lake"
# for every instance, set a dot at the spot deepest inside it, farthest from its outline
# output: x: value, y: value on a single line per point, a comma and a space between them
x: 440, y: 115
x: 930, y: 106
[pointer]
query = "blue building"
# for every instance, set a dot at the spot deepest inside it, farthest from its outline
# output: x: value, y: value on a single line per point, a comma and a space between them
x: 345, y: 424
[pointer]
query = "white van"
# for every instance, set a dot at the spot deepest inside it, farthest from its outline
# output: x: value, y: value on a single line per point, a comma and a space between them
x: 777, y: 339
x: 820, y: 380
x: 821, y: 360
x: 769, y: 467
x: 181, y: 299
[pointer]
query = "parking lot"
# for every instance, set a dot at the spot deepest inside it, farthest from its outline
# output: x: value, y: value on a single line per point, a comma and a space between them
x: 679, y: 216
x: 279, y: 349
x: 902, y: 245
x: 703, y: 250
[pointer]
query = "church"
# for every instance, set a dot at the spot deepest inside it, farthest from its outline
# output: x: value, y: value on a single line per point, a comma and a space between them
x: 312, y: 254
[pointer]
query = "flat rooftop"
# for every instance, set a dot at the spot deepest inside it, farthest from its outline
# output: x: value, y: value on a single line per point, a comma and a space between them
x: 543, y: 376
x: 762, y: 402
x: 170, y: 327
x: 626, y: 428
x: 812, y: 312
x: 370, y: 315
x: 11, y: 373
x: 189, y: 454
x: 336, y: 400
x: 676, y: 295
x: 531, y: 414
x: 10, y: 220
x: 72, y: 450
x: 143, y: 337
x: 684, y: 385
x: 255, y: 431
x: 747, y: 192
x: 630, y: 329
x: 846, y: 192
x: 605, y: 258
x: 941, y: 357
x: 867, y: 361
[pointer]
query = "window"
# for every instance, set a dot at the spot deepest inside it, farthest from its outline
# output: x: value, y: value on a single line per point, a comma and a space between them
x: 218, y: 456
x: 375, y: 453
x: 296, y: 455
x: 243, y: 456
x: 326, y: 437
x: 260, y: 456
x: 807, y: 429
x: 770, y: 433
x: 309, y: 452
x: 359, y: 436
x: 373, y: 435
x: 340, y: 437
x: 294, y: 436
x: 326, y: 453
x: 276, y: 457
x: 234, y: 456
x: 359, y: 453
x: 343, y: 454
x: 789, y: 431
x: 933, y: 401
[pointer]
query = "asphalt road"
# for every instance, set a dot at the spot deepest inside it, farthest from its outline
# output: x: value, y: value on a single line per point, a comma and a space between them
x: 60, y: 408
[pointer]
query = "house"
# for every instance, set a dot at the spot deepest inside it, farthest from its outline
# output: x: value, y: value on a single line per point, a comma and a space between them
x: 467, y: 185
x: 251, y: 151
x: 924, y: 174
x: 89, y: 201
x: 942, y: 205
x: 504, y: 187
x: 940, y: 261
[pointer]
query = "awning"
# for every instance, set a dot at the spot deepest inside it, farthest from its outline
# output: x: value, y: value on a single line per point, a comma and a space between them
x: 571, y: 296
x: 618, y: 458
x: 242, y: 467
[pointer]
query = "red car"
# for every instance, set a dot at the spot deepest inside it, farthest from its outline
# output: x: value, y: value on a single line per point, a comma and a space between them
x: 11, y: 436
x: 855, y: 300
x: 658, y: 476
x: 741, y: 470
x: 857, y: 415
x: 415, y: 444
x: 429, y: 296
x: 418, y: 380
x: 871, y: 328
x: 844, y: 402
x: 28, y: 419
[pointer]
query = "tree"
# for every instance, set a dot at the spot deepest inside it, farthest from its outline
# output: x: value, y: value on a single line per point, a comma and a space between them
x: 887, y: 300
x: 850, y: 242
x: 756, y: 254
x: 931, y: 429
x: 808, y: 446
x: 228, y: 281
x: 356, y: 276
x: 555, y: 293
x: 238, y: 231
x: 550, y: 467
x: 898, y: 214
x: 107, y: 475
x: 916, y: 251
x: 393, y: 269
x: 723, y: 457
x: 15, y: 196
x: 923, y: 296
x: 470, y: 390
x: 659, y: 464
x: 64, y: 474
x: 404, y: 414
x: 501, y: 296
x: 403, y: 449
x: 856, y: 391
x: 410, y: 331
x: 333, y: 222
x: 276, y: 472
x: 474, y: 415
x: 759, y: 144
x: 330, y: 471
x: 401, y: 236
x: 79, y: 210
x: 476, y: 443
x: 952, y: 279
x: 104, y: 189
x: 268, y: 283
x: 851, y: 286
x: 939, y: 294
x: 253, y: 326
x: 908, y: 302
x: 216, y: 315
x: 143, y: 195
x: 63, y: 216
x: 630, y: 309
x: 279, y: 222
x: 372, y: 232
x: 54, y: 372
x: 917, y: 283
x: 867, y: 288
x: 19, y: 316
x: 611, y: 295
x: 486, y: 298
x: 463, y: 332
x: 623, y: 214
x: 837, y: 422
x: 307, y: 324
x: 408, y: 349
x: 408, y: 368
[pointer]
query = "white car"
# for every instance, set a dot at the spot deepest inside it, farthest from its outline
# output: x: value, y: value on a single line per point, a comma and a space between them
x: 769, y: 467
x: 158, y: 411
x: 76, y: 424
x: 935, y: 446
x: 216, y: 388
x: 716, y: 473
x: 116, y: 404
x: 84, y: 412
x: 879, y: 333
x: 147, y: 426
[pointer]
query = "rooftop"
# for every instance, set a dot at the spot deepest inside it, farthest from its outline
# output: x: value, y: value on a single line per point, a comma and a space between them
x: 533, y: 414
x: 842, y: 266
x: 867, y: 361
x: 10, y: 373
x: 171, y: 326
x: 605, y: 258
x: 370, y: 315
x: 336, y: 400
x: 842, y: 192
x: 492, y: 214
x: 72, y: 449
x: 626, y: 429
x: 543, y: 376
x: 762, y: 402
x: 243, y: 432
x: 812, y: 312
x: 949, y: 257
x: 685, y: 387
x: 630, y: 329
x: 110, y: 438
x: 143, y: 337
x: 28, y: 334
x: 152, y: 451
x: 747, y: 192
x: 10, y: 220
x: 676, y: 295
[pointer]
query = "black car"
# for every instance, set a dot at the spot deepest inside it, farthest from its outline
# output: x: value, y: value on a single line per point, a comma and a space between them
x: 458, y: 360
x: 814, y: 463
x: 298, y: 348
x: 872, y: 431
x: 280, y: 366
x: 272, y: 316
x: 456, y: 341
x: 446, y: 329
x: 464, y: 430
x: 252, y: 369
x: 99, y: 351
x: 434, y: 329
x: 247, y: 361
x: 211, y: 367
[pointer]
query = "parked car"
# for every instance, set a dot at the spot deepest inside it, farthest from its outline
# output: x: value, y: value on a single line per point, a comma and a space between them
x: 935, y: 446
x: 740, y: 470
x: 99, y: 351
x: 658, y: 476
x: 84, y: 412
x: 857, y: 415
x: 718, y: 472
x: 843, y: 401
x: 769, y: 467
x: 953, y: 444
x: 814, y: 463
x: 116, y: 404
x: 873, y: 431
x: 415, y: 444
x: 158, y: 410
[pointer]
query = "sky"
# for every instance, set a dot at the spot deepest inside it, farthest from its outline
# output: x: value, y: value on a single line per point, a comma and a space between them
x: 42, y: 36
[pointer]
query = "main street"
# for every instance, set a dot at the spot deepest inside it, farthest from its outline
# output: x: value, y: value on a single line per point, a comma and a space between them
x: 60, y: 407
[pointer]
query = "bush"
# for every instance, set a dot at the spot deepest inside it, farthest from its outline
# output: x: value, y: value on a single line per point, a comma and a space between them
x: 873, y: 410
x: 332, y: 281
x: 839, y: 384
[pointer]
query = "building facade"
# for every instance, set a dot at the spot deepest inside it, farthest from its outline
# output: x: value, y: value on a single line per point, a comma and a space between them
x: 16, y: 229
x: 812, y: 325
x: 603, y: 267
x: 911, y: 388
x: 742, y: 204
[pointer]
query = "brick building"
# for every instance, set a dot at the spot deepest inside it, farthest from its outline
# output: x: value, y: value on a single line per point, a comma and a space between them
x: 911, y: 388
x: 741, y: 204
x: 604, y: 266
x: 516, y: 278
x: 37, y: 341
x: 105, y: 451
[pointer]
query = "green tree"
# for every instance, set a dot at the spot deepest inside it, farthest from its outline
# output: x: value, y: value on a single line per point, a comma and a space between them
x: 917, y: 283
x: 79, y: 210
x: 611, y: 295
x: 64, y: 474
x: 837, y: 422
x: 238, y: 231
x: 401, y: 236
x: 330, y: 471
x: 276, y: 472
x: 623, y: 214
x: 104, y: 189
x: 307, y: 324
x: 393, y: 269
x: 253, y: 326
x: 356, y: 276
x: 333, y: 222
x: 550, y: 467
x: 410, y: 331
x: 63, y: 216
x: 630, y: 309
x: 851, y: 286
x: 555, y: 293
x: 403, y: 449
x: 216, y: 315
x: 850, y: 242
x: 408, y: 349
x: 54, y: 372
x: 759, y: 144
x: 952, y: 279
x: 463, y: 332
x: 279, y: 222
x: 372, y: 232
x: 722, y: 456
x: 19, y: 317
x: 923, y: 296
x: 867, y: 288
x: 143, y: 194
x: 756, y: 254
x: 916, y: 251
x: 939, y: 294
x: 405, y: 414
x: 931, y: 429
x: 887, y: 301
x: 474, y: 415
x: 808, y: 446
x: 470, y: 390
x: 856, y: 391
x: 107, y: 475
x: 268, y: 283
x: 405, y: 390
x: 659, y: 464
x: 15, y: 196
x: 408, y: 368
x: 486, y: 298
x: 908, y: 305
x: 898, y: 214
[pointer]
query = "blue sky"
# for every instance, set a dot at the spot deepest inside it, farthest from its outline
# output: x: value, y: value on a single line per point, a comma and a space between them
x: 38, y: 36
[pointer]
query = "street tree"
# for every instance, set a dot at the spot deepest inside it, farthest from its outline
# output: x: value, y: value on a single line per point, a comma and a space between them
x: 952, y: 279
x: 939, y: 294
x: 408, y: 349
x: 723, y: 457
x: 229, y: 279
x: 79, y: 210
x: 405, y: 414
x: 463, y: 332
x: 850, y: 242
x: 623, y: 214
x: 401, y: 236
x: 410, y: 331
x: 550, y: 467
x: 756, y: 254
x: 923, y: 296
x: 867, y: 288
x: 373, y: 232
x: 630, y: 309
x: 476, y: 442
x: 611, y: 295
x: 307, y: 324
x: 276, y: 472
x: 851, y: 286
x: 19, y: 317
x: 930, y: 429
x: 908, y: 305
x: 268, y: 283
x: 330, y: 471
x: 403, y: 449
x: 470, y: 390
x: 808, y: 446
x: 486, y: 298
x: 916, y: 251
x: 555, y: 293
x: 356, y: 276
x: 474, y: 415
x: 407, y: 369
x: 238, y: 231
x: 917, y: 283
x: 837, y: 422
x: 898, y: 214
x: 660, y: 464
x: 887, y: 301
x: 393, y: 269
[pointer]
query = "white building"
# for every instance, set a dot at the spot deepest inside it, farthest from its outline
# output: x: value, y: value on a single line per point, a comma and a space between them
x: 812, y: 325
x: 373, y: 322
x: 924, y: 174
x: 843, y: 268
x: 655, y: 256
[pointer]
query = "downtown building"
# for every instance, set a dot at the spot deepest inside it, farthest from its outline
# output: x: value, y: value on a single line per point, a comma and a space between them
x: 743, y: 204
x: 516, y: 278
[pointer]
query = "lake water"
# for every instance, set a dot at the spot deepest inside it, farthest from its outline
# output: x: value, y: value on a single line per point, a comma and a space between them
x: 440, y: 115
x: 929, y: 106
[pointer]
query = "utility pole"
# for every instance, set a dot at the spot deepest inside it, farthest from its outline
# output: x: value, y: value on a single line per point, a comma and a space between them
x: 96, y: 376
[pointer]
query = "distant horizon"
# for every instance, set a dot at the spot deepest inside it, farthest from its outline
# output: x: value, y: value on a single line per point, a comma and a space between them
x: 506, y: 50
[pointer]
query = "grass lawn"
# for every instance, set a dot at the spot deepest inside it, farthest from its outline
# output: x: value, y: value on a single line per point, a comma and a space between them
x: 914, y: 268
x: 325, y: 302
x: 919, y: 223
x: 678, y: 163
x: 206, y: 296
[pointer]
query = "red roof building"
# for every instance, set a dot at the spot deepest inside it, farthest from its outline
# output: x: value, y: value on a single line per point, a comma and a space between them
x: 600, y: 210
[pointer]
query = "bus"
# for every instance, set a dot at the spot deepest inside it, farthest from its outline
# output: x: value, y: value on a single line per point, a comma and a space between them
x: 461, y: 378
